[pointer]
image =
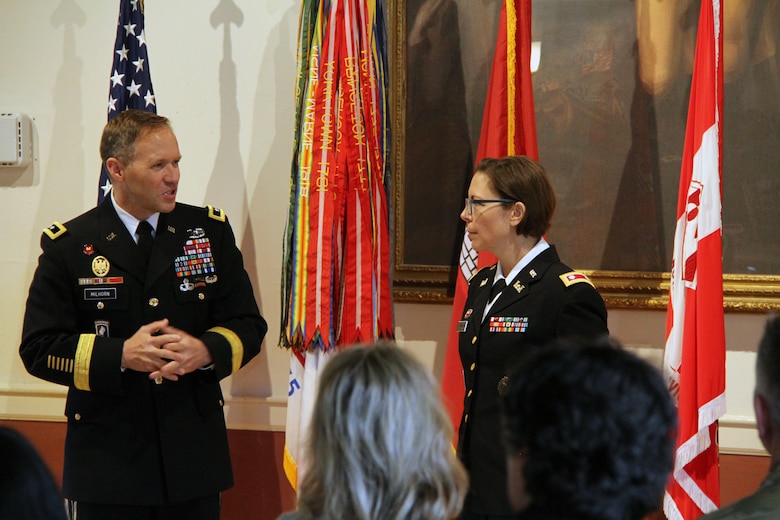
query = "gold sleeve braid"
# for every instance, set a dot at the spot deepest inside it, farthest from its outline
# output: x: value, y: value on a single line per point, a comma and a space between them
x: 83, y: 358
x: 235, y: 345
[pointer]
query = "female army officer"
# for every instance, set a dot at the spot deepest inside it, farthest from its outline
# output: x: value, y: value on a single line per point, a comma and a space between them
x: 525, y: 300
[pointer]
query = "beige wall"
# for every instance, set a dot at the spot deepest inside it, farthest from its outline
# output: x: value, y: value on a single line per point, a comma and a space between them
x: 229, y: 92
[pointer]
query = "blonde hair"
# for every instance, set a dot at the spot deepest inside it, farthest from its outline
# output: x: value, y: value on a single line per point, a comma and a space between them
x: 379, y: 443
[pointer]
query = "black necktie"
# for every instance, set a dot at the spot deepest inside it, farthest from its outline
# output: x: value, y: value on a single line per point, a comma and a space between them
x: 497, y: 288
x: 145, y: 239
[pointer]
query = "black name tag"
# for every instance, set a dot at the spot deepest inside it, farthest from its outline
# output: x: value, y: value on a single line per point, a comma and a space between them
x: 108, y: 293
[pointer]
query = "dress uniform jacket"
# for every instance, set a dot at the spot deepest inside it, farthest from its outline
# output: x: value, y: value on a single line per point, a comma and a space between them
x: 546, y: 300
x: 764, y: 504
x: 132, y: 440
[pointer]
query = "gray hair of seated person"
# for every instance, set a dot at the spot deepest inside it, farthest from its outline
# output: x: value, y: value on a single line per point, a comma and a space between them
x: 379, y: 443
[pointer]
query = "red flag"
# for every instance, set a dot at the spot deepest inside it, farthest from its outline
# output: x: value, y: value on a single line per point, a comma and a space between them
x: 695, y: 355
x: 508, y: 128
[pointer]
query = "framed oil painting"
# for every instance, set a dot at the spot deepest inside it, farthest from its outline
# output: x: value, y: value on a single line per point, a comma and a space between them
x: 610, y: 92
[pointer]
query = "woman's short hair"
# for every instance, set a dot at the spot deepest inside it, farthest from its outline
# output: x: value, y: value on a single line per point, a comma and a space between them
x: 520, y: 178
x: 596, y: 428
x: 120, y: 134
x: 379, y: 442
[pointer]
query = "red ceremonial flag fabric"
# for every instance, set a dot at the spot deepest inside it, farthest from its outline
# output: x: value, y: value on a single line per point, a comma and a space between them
x: 695, y: 354
x: 508, y: 128
x: 336, y: 271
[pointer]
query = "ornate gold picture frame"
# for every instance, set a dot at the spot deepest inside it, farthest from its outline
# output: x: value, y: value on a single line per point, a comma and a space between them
x: 610, y: 136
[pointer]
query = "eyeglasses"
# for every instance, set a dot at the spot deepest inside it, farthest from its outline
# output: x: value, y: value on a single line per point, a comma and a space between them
x: 470, y: 203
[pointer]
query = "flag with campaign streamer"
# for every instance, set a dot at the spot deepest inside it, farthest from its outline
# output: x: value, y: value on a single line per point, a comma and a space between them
x: 131, y: 83
x: 508, y: 128
x: 695, y: 354
x: 336, y: 287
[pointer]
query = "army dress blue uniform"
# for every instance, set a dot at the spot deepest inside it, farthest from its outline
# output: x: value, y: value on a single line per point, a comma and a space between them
x: 131, y: 440
x: 544, y: 301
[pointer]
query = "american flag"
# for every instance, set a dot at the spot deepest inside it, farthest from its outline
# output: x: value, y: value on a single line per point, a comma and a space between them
x: 131, y: 83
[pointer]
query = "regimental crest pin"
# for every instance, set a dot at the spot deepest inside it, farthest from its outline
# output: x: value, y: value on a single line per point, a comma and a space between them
x: 100, y: 266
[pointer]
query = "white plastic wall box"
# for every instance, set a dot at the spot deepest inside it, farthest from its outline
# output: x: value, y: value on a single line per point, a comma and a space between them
x: 15, y: 139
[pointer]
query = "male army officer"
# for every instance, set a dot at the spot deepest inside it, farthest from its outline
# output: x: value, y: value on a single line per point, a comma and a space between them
x: 142, y: 334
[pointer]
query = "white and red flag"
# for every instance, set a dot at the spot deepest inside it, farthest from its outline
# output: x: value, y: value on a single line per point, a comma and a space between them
x: 695, y: 355
x: 508, y: 128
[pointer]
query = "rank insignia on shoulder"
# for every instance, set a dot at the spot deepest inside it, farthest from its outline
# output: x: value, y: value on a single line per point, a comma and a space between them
x: 490, y: 268
x: 55, y: 231
x: 573, y: 277
x: 216, y: 213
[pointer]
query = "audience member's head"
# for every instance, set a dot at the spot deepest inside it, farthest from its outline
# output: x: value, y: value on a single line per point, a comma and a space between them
x: 766, y: 399
x: 590, y: 431
x: 27, y: 488
x: 379, y: 443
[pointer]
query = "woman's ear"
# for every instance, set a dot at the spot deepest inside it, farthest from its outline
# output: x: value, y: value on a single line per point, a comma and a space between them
x: 518, y: 213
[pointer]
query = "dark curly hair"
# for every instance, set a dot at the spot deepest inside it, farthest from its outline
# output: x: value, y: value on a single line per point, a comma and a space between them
x: 596, y: 427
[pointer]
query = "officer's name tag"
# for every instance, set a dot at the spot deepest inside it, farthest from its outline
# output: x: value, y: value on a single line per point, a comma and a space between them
x: 109, y: 293
x: 462, y: 326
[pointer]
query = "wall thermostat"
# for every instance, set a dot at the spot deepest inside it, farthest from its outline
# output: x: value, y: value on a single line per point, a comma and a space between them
x: 15, y: 139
